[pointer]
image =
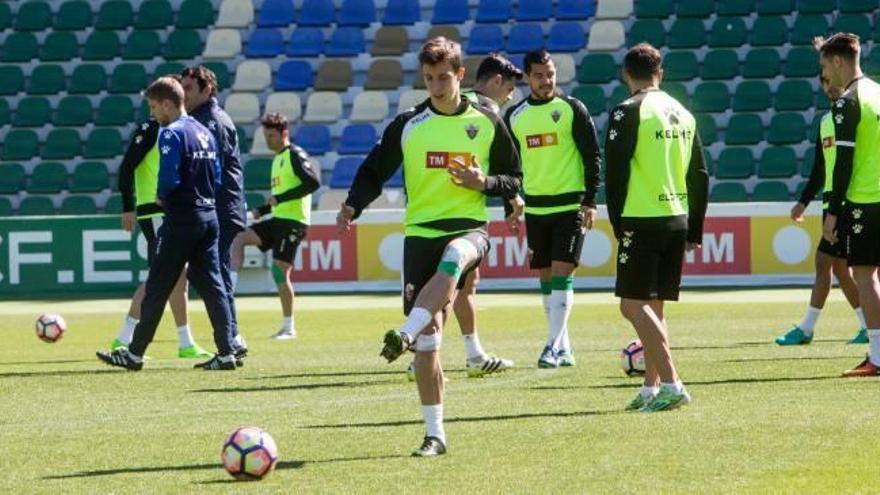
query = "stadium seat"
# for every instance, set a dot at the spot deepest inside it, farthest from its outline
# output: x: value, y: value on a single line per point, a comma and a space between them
x: 565, y: 69
x: 167, y: 68
x: 648, y: 31
x: 357, y: 139
x: 36, y: 206
x: 334, y: 75
x: 33, y: 111
x: 223, y: 44
x: 356, y: 13
x: 369, y: 106
x: 12, y: 178
x: 396, y: 180
x: 775, y: 7
x: 606, y: 36
x: 59, y: 46
x: 401, y: 13
x: 485, y: 39
x: 244, y: 141
x: 801, y: 62
x: 252, y: 75
x: 88, y: 79
x: 787, y: 128
x: 323, y: 106
x: 142, y: 45
x: 79, y: 204
x: 592, y: 97
x: 276, y: 13
x: 597, y: 68
x: 390, y: 40
x: 330, y: 199
x: 751, y: 96
x: 35, y: 15
x: 614, y: 9
x: 5, y: 112
x: 317, y: 13
x: 527, y: 37
x: 471, y: 64
x: 769, y: 31
x: 265, y: 42
x: 771, y: 191
x: 101, y: 45
x: 20, y: 144
x: 618, y: 94
x: 243, y: 108
x: 566, y: 37
x: 195, y: 14
x: 385, y: 74
x: 816, y: 6
x: 73, y: 15
x: 5, y: 16
x: 20, y: 47
x: 711, y: 97
x: 114, y: 15
x: 735, y: 163
x: 128, y: 78
x: 315, y: 139
x: 855, y: 6
x: 306, y: 42
x: 728, y: 32
x: 777, y: 162
x: 344, y: 171
x: 285, y: 103
x: 113, y: 204
x: 858, y: 24
x: 656, y: 9
x: 534, y: 10
x: 450, y: 12
x: 46, y: 80
x: 13, y: 80
x: 806, y: 27
x: 154, y: 14
x: 258, y: 176
x: 254, y: 199
x: 5, y: 207
x: 411, y: 98
x: 676, y: 90
x: 294, y: 75
x: 73, y: 111
x: 494, y: 11
x: 103, y: 143
x: 221, y: 71
x: 794, y: 94
x: 115, y: 110
x: 235, y: 14
x: 680, y: 66
x: 259, y: 146
x: 576, y: 9
x: 701, y: 9
x: 744, y: 128
x: 183, y: 44
x: 707, y: 128
x: 728, y: 192
x: 720, y: 64
x: 687, y: 33
x: 346, y: 42
x: 761, y: 63
x: 48, y: 177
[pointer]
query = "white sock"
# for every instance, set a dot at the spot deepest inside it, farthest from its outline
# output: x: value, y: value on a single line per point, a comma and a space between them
x: 874, y: 346
x: 418, y: 319
x: 560, y: 309
x: 234, y: 276
x: 472, y: 346
x: 433, y: 416
x: 127, y: 331
x: 675, y: 387
x: 564, y: 342
x: 184, y: 336
x: 809, y: 321
x: 239, y: 341
x: 287, y: 324
x: 649, y: 391
x: 545, y: 298
x: 861, y: 316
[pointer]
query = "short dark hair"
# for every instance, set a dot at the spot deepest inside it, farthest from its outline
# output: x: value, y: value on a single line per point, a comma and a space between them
x: 642, y: 62
x: 438, y: 50
x: 541, y: 56
x: 496, y: 64
x: 275, y: 121
x: 165, y: 89
x: 844, y: 45
x: 204, y: 76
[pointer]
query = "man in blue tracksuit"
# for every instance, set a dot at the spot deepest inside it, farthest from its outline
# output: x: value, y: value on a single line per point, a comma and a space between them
x: 200, y: 99
x: 189, y: 176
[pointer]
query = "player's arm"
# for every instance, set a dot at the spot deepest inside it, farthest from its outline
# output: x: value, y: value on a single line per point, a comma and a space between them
x: 585, y: 138
x: 697, y: 181
x: 170, y: 153
x: 505, y: 170
x: 846, y: 115
x: 384, y: 159
x: 142, y: 140
x: 305, y: 171
x: 620, y: 145
x: 817, y: 175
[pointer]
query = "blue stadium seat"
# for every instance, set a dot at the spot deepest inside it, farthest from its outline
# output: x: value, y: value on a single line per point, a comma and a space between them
x: 265, y: 42
x: 401, y: 13
x: 344, y: 171
x: 575, y: 9
x: 276, y: 13
x: 306, y: 42
x: 317, y: 13
x: 346, y: 42
x: 315, y: 139
x: 485, y: 39
x: 494, y: 11
x: 450, y: 12
x: 294, y: 75
x: 535, y: 10
x: 357, y: 13
x: 357, y: 139
x: 396, y: 180
x: 566, y: 37
x: 525, y: 38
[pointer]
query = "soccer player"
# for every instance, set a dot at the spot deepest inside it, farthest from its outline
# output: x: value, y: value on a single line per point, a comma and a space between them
x: 496, y: 79
x: 200, y: 90
x: 855, y: 192
x: 656, y: 183
x: 454, y: 153
x: 560, y: 154
x: 294, y: 179
x: 829, y: 257
x: 138, y: 175
x: 189, y: 174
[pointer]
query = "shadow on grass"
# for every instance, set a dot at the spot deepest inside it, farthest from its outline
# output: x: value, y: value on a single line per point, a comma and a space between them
x: 30, y: 374
x: 303, y: 386
x: 730, y: 381
x: 329, y: 374
x: 804, y: 358
x: 57, y: 361
x: 471, y: 419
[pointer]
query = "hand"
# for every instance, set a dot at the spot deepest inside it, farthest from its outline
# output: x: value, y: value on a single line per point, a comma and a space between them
x: 272, y: 201
x: 469, y: 177
x: 128, y: 221
x: 690, y: 246
x: 513, y: 220
x: 589, y: 214
x: 344, y: 218
x: 829, y: 229
x: 797, y: 212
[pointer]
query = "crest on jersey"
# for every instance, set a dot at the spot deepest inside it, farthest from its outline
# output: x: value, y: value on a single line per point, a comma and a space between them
x: 203, y: 139
x: 555, y: 115
x: 471, y: 130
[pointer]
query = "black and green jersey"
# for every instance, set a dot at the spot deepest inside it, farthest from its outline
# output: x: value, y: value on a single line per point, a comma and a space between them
x: 483, y: 100
x: 823, y: 164
x: 857, y: 132
x: 294, y: 179
x: 139, y: 172
x: 426, y: 142
x: 560, y: 154
x: 655, y: 175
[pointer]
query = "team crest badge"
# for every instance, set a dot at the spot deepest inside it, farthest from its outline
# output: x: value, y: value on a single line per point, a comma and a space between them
x: 471, y: 130
x: 555, y: 115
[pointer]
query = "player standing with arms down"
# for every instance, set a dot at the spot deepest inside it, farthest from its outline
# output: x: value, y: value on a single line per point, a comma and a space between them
x: 561, y: 160
x: 454, y: 154
x: 657, y: 189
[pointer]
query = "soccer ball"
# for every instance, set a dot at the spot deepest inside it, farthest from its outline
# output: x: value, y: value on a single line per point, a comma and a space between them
x: 249, y: 453
x: 50, y: 328
x: 632, y: 359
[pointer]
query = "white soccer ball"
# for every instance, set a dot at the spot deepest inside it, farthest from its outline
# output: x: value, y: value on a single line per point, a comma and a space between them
x: 50, y: 327
x: 632, y: 359
x: 249, y: 454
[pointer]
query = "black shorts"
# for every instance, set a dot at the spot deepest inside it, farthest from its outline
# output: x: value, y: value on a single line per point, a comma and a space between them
x: 838, y: 249
x: 280, y: 235
x: 649, y: 264
x: 422, y: 255
x: 150, y: 228
x: 555, y: 237
x: 862, y: 234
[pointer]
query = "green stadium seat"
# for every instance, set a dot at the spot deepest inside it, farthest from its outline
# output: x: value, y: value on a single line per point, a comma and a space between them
x: 33, y: 111
x: 20, y: 47
x: 858, y: 24
x: 13, y: 80
x: 751, y: 96
x: 12, y: 178
x: 777, y: 162
x: 695, y: 8
x: 787, y: 128
x: 115, y: 110
x: 33, y: 16
x: 822, y: 102
x: 47, y: 79
x: 48, y: 177
x: 90, y: 177
x: 809, y: 161
x: 871, y: 64
x: 224, y: 78
x: 128, y: 78
x: 736, y: 7
x: 62, y: 144
x: 5, y: 16
x: 618, y: 94
x: 254, y: 199
x: 144, y: 112
x: 654, y: 9
x: 592, y: 97
x: 728, y: 31
x: 707, y: 129
x: 5, y: 112
x: 735, y: 163
x: 794, y: 94
x: 113, y: 204
x: 687, y: 33
x: 115, y: 14
x: 710, y: 163
x: 183, y: 44
x: 597, y: 68
x: 78, y: 205
x: 761, y: 63
x: 744, y: 128
x: 711, y: 97
x: 59, y: 46
x: 20, y: 144
x: 154, y: 14
x: 142, y: 45
x: 769, y: 31
x: 806, y: 27
x: 775, y: 7
x: 680, y: 66
x: 813, y: 131
x: 166, y: 68
x: 855, y: 6
x: 73, y: 111
x: 720, y: 64
x: 816, y: 6
x: 771, y: 191
x: 676, y: 90
x: 728, y: 192
x: 258, y: 175
x: 88, y: 79
x: 73, y: 15
x: 101, y: 45
x: 801, y: 62
x: 36, y: 206
x: 647, y: 30
x: 195, y: 14
x: 103, y: 143
x: 244, y: 141
x: 5, y: 207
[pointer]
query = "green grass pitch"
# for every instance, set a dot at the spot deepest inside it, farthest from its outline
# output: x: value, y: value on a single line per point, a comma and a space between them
x: 764, y: 418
